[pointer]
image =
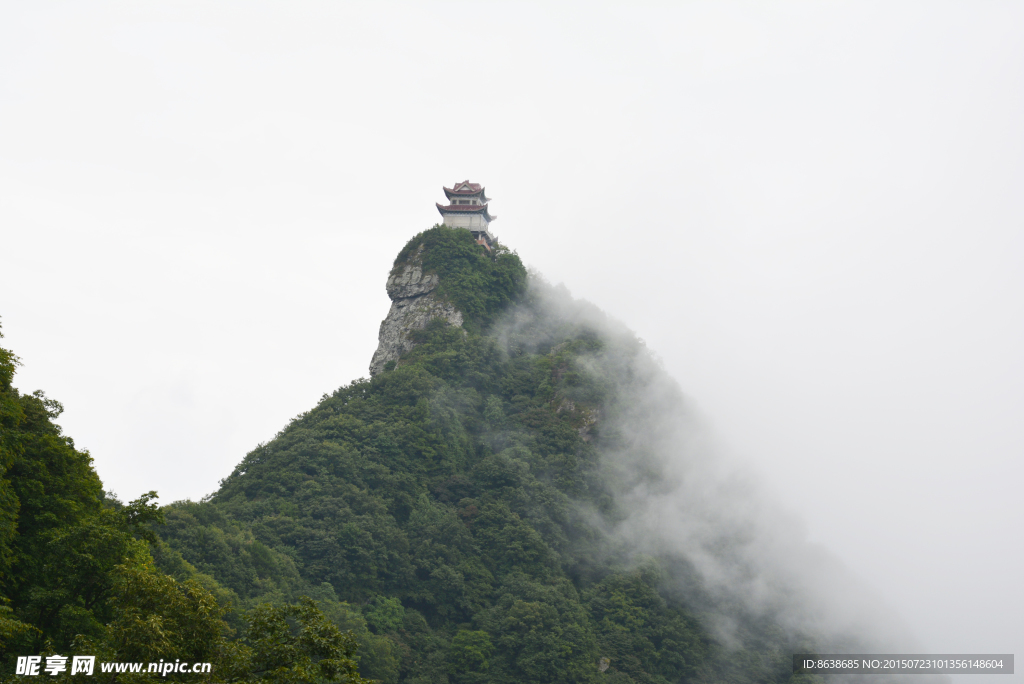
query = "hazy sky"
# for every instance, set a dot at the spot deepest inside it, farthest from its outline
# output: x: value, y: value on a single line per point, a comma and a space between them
x: 813, y: 212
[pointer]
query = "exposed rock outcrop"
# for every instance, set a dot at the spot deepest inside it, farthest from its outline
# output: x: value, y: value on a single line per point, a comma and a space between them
x: 414, y: 303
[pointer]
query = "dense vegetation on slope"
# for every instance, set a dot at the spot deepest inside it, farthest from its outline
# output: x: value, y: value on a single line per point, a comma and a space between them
x: 77, y: 574
x: 451, y: 509
x: 451, y: 520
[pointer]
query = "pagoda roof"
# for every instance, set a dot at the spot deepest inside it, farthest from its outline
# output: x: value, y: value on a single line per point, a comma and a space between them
x: 465, y: 209
x: 466, y: 189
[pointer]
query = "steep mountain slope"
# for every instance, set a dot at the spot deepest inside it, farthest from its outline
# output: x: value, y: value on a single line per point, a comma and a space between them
x: 484, y: 509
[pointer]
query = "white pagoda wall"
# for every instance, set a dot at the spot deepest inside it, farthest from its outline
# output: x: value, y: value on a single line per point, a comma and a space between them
x: 469, y: 221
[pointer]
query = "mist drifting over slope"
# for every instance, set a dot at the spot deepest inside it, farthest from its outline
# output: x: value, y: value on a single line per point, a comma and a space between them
x: 736, y: 556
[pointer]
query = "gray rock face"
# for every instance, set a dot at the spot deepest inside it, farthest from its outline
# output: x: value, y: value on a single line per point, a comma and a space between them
x: 413, y: 304
x: 410, y: 282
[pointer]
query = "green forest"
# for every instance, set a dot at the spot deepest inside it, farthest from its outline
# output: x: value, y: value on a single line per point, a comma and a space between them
x: 447, y: 521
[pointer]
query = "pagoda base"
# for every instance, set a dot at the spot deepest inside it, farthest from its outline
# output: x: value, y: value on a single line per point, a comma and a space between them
x: 483, y: 237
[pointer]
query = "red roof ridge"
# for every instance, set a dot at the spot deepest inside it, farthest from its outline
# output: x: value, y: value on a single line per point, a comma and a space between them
x: 464, y: 186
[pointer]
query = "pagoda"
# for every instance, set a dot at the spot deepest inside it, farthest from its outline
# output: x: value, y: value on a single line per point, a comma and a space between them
x: 467, y: 208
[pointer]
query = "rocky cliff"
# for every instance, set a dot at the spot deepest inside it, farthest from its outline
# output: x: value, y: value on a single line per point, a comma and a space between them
x: 414, y: 303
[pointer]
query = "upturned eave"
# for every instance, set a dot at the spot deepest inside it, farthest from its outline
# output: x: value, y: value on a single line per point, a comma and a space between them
x: 464, y: 209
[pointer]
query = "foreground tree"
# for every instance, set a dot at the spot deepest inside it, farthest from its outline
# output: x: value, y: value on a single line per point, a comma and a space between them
x: 298, y: 645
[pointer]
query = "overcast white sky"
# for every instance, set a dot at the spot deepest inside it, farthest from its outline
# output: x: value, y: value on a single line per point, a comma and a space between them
x: 813, y: 212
